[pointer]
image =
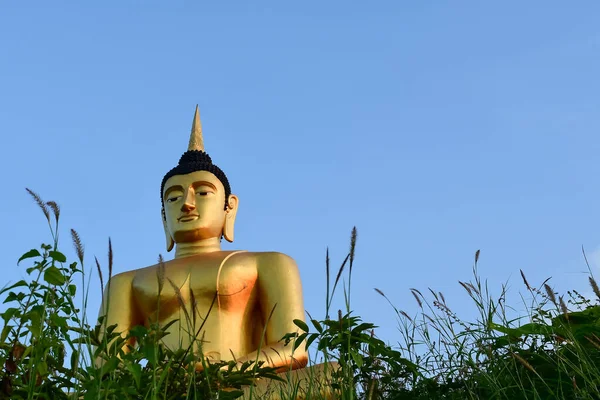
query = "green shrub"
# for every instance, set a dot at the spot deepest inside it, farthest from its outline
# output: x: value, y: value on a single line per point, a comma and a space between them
x: 49, y: 351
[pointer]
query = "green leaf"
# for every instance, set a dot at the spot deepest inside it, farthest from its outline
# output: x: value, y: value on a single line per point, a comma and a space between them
x: 299, y: 340
x: 5, y: 331
x: 72, y: 290
x: 36, y: 323
x: 357, y: 358
x: 136, y: 371
x: 110, y: 365
x: 365, y: 326
x: 27, y: 352
x: 53, y: 276
x: 30, y: 254
x: 230, y: 394
x: 12, y: 296
x: 58, y: 320
x: 311, y: 339
x: 301, y: 324
x: 168, y: 325
x: 58, y: 256
x: 164, y: 374
x: 42, y: 368
x: 412, y: 367
x: 22, y: 282
x: 9, y: 313
x: 74, y: 359
x: 138, y: 331
x: 317, y: 325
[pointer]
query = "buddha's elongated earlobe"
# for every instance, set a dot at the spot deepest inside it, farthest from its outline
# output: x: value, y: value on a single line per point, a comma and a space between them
x: 230, y: 213
x: 169, y: 239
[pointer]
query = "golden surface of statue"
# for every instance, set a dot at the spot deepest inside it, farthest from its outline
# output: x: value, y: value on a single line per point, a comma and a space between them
x: 255, y: 292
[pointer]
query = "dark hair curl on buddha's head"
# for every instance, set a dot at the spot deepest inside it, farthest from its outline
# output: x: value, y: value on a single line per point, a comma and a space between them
x: 192, y: 161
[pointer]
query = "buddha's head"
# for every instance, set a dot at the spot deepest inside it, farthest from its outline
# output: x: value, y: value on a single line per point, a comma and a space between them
x: 197, y: 203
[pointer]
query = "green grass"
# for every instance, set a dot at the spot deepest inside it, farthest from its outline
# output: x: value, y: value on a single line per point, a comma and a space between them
x: 552, y: 351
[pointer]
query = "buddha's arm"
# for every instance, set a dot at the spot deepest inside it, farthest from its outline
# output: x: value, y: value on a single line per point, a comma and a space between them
x: 118, y: 307
x: 279, y: 288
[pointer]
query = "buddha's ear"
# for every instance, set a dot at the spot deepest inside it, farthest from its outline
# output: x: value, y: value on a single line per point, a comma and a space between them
x: 230, y: 213
x: 169, y: 239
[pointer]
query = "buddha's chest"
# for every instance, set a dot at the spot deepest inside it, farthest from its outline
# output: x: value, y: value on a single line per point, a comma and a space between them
x: 197, y: 283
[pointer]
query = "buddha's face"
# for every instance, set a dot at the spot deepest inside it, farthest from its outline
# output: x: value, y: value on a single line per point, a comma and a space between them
x: 194, y: 206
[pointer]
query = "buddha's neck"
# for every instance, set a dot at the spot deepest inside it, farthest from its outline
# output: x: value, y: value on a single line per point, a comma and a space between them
x: 197, y: 247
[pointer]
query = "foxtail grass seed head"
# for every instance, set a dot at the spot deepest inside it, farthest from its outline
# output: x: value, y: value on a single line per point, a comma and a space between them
x: 180, y: 300
x: 477, y: 256
x: 380, y: 292
x: 473, y: 288
x: 99, y: 274
x: 524, y: 362
x: 40, y: 203
x: 594, y: 287
x: 563, y: 308
x: 525, y: 280
x: 110, y: 259
x: 352, y: 246
x: 406, y: 315
x: 550, y: 294
x: 435, y: 296
x: 177, y: 292
x: 79, y: 249
x: 414, y: 293
x: 433, y: 325
x: 55, y: 210
x: 327, y: 275
x: 160, y: 274
x: 194, y: 307
x: 340, y: 271
x: 467, y: 288
x: 594, y: 341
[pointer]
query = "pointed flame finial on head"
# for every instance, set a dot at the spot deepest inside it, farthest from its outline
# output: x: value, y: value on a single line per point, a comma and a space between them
x: 196, y: 140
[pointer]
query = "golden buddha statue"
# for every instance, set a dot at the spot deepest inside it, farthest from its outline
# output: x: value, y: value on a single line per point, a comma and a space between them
x: 258, y: 295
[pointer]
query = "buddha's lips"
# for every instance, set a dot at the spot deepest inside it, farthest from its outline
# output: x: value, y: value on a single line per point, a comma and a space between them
x: 187, y: 218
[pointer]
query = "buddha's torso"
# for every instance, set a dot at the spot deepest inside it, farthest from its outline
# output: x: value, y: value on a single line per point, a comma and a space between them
x: 234, y: 318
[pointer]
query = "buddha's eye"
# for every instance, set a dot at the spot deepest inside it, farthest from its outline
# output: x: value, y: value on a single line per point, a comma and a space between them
x: 173, y: 199
x: 203, y: 191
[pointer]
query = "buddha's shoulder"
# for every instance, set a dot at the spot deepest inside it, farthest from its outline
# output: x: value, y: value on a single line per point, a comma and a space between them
x: 268, y: 259
x: 123, y: 278
x: 132, y: 274
x: 265, y: 259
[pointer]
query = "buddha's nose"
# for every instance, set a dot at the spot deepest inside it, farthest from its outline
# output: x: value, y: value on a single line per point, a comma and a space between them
x: 187, y: 207
x: 189, y: 203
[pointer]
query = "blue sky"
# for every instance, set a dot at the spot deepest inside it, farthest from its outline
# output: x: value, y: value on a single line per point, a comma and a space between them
x: 437, y: 128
